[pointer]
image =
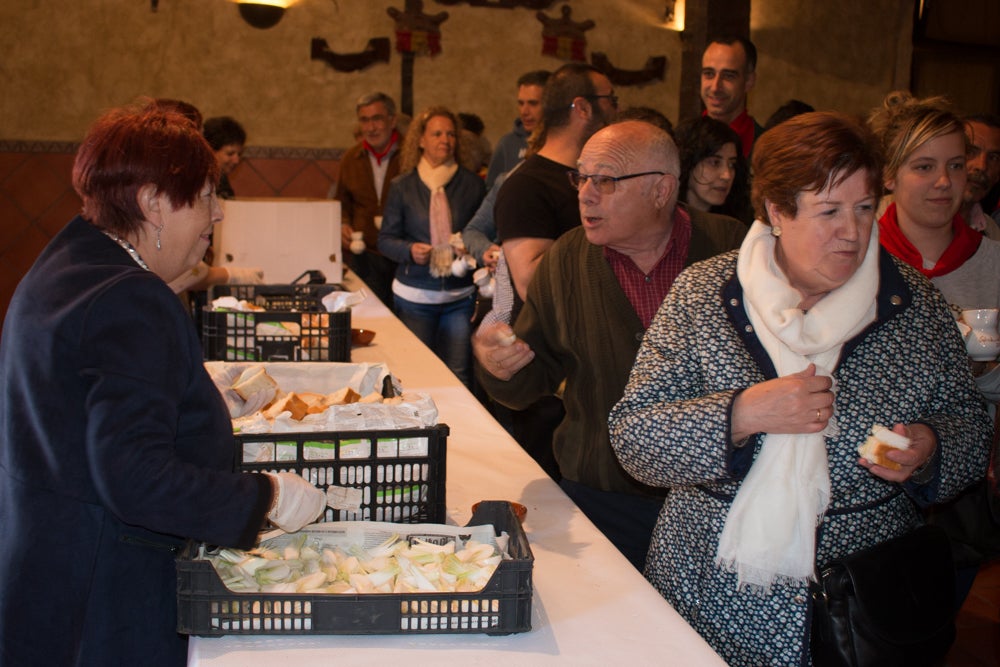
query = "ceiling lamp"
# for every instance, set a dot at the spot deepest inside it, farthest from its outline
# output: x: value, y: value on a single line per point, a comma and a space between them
x: 262, y: 13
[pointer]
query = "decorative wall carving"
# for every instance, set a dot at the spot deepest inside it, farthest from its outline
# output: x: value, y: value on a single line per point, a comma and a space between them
x: 501, y: 4
x: 655, y: 68
x: 563, y: 37
x: 377, y: 51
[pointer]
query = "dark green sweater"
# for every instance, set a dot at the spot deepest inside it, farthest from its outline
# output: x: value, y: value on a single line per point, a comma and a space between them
x: 582, y: 327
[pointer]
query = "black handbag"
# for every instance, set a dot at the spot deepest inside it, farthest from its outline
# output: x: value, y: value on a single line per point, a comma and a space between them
x: 892, y: 604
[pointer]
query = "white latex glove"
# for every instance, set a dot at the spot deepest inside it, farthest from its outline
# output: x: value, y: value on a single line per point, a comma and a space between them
x: 244, y: 276
x: 299, y: 503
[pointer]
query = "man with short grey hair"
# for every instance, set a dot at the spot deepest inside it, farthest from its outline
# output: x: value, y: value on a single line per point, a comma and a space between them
x: 366, y: 170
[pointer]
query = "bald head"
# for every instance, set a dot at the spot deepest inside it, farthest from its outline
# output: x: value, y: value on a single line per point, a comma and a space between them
x: 636, y: 209
x: 637, y: 145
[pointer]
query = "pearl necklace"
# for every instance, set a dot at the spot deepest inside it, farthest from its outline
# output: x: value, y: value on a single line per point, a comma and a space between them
x: 129, y: 248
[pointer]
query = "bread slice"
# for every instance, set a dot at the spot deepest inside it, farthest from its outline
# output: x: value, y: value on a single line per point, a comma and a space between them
x: 288, y: 403
x: 373, y: 397
x: 881, y: 441
x: 252, y: 380
x: 343, y: 397
x: 315, y: 403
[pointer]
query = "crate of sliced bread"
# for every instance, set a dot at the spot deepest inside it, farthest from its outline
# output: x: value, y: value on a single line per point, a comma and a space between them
x: 349, y: 427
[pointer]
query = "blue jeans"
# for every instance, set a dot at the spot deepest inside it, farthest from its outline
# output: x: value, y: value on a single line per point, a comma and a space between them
x: 446, y: 328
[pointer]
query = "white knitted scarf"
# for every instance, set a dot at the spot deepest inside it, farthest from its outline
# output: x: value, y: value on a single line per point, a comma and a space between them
x: 770, y: 531
x: 435, y: 178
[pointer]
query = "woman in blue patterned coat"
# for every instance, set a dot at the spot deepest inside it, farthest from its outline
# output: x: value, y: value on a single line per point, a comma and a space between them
x: 760, y: 376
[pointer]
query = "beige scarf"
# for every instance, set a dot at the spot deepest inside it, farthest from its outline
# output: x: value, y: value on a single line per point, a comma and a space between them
x: 435, y: 178
x: 770, y: 531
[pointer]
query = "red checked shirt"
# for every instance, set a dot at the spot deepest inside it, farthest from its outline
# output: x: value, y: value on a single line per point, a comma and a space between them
x: 646, y: 291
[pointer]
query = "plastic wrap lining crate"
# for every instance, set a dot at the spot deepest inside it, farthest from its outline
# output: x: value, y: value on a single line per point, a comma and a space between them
x: 399, y: 474
x: 293, y: 327
x: 206, y: 607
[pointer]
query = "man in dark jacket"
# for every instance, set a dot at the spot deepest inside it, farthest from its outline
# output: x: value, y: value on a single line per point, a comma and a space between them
x: 511, y: 147
x: 366, y: 169
x: 593, y: 295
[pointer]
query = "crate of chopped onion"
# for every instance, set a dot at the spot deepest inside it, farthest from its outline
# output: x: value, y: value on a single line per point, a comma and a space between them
x: 364, y: 578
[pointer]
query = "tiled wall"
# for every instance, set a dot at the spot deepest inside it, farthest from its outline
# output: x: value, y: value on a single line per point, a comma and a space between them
x: 37, y: 197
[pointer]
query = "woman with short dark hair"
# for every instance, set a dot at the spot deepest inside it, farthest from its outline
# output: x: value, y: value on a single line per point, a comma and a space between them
x: 714, y: 174
x: 227, y: 138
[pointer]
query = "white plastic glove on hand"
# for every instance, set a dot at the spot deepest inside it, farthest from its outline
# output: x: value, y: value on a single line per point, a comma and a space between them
x: 299, y: 503
x: 244, y: 276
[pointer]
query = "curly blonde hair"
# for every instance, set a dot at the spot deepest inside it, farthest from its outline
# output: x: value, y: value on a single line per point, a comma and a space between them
x: 411, y: 152
x: 904, y: 123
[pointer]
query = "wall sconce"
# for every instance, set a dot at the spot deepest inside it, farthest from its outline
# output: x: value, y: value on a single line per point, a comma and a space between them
x: 262, y: 13
x: 673, y: 15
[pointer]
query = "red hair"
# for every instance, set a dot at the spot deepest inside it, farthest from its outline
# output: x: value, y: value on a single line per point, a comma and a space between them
x: 805, y: 154
x: 129, y: 148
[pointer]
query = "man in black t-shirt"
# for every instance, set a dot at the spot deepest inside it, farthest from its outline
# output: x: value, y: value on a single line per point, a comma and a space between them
x: 535, y: 206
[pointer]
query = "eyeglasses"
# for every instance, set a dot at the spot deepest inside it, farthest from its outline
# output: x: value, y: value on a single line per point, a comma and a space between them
x: 611, y: 98
x: 605, y: 184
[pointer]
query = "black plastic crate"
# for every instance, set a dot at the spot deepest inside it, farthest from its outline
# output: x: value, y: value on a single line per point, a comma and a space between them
x: 293, y: 327
x: 206, y: 607
x: 400, y: 473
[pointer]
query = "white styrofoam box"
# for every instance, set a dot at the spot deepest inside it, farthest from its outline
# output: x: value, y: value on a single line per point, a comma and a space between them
x: 284, y: 237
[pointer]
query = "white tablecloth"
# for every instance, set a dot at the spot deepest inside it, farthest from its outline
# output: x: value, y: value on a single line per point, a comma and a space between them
x: 590, y: 606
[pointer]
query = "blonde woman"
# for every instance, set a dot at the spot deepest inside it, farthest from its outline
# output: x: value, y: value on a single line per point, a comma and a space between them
x: 924, y: 144
x: 433, y: 198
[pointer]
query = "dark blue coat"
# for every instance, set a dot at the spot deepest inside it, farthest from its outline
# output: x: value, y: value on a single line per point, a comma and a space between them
x: 114, y: 446
x: 406, y: 220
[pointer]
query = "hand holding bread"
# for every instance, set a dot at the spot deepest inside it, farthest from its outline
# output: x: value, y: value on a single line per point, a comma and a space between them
x: 499, y: 351
x: 895, y: 454
x: 876, y: 448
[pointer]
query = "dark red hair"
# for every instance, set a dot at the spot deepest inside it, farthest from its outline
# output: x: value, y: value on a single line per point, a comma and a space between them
x: 128, y: 148
x: 804, y: 153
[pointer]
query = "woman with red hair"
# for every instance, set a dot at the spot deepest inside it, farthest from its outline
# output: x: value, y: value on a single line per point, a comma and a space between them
x: 115, y: 445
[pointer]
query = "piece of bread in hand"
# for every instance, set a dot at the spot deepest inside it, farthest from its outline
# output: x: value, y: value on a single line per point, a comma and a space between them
x: 252, y: 380
x: 881, y: 441
x: 290, y: 402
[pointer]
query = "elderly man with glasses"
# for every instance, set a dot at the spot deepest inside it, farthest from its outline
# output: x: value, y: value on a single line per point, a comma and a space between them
x: 593, y: 295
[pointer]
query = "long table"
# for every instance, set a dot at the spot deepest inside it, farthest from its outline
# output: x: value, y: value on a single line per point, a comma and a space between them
x: 590, y: 606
